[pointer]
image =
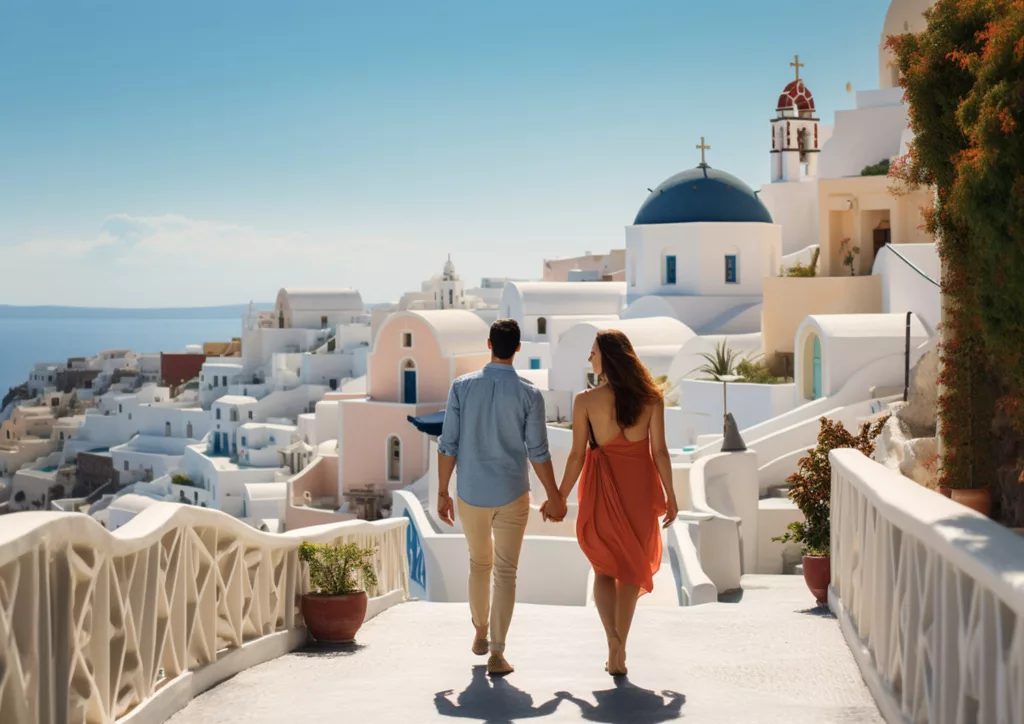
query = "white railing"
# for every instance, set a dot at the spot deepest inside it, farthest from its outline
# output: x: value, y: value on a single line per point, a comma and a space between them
x: 95, y: 626
x: 930, y: 596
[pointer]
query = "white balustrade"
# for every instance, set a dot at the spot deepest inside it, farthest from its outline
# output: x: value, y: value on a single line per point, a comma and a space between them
x: 930, y: 596
x: 97, y: 627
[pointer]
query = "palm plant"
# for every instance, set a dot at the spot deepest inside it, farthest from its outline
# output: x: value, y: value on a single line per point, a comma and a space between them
x: 720, y: 363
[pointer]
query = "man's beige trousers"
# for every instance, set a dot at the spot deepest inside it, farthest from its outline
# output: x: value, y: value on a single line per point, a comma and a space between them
x: 495, y: 539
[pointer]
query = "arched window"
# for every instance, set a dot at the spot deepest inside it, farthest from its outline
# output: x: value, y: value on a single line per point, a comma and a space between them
x: 394, y: 452
x: 188, y: 431
x: 542, y: 326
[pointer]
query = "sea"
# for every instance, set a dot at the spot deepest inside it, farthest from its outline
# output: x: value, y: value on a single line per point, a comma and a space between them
x: 31, y: 338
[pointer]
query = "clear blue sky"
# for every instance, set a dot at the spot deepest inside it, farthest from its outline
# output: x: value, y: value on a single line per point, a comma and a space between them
x: 193, y: 152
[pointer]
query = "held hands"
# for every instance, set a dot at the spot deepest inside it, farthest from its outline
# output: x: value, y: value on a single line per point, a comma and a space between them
x: 671, y: 512
x: 554, y: 509
x: 445, y: 509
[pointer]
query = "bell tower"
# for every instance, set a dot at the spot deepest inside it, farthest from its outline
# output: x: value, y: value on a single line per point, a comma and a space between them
x: 795, y: 145
x: 451, y: 289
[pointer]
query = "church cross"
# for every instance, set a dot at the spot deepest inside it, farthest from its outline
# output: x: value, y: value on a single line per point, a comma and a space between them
x: 798, y: 65
x: 702, y: 148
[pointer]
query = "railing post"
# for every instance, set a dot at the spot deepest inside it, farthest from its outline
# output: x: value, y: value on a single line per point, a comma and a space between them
x: 906, y: 361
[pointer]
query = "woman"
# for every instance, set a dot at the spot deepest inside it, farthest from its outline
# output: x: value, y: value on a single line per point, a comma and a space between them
x: 619, y: 445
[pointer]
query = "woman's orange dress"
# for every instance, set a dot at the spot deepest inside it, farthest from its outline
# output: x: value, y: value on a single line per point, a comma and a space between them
x: 620, y: 504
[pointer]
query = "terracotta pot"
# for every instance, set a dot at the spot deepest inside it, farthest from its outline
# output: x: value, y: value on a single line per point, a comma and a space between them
x: 979, y: 499
x: 948, y: 492
x: 817, y: 575
x: 334, y: 619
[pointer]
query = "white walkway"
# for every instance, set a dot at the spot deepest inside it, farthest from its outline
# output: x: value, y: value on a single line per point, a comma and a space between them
x: 766, y: 658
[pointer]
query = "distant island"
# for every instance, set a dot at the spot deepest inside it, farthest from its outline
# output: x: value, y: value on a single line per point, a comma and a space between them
x: 10, y: 311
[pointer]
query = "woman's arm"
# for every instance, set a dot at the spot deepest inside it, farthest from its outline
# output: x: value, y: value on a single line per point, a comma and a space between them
x: 578, y: 454
x: 663, y: 461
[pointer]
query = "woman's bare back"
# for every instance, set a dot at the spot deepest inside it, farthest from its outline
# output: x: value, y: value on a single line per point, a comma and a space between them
x: 600, y: 406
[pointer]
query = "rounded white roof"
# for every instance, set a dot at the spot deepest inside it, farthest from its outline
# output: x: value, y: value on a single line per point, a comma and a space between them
x: 566, y: 298
x: 266, y: 491
x: 320, y: 299
x: 458, y: 331
x: 848, y: 326
x: 905, y: 16
x: 644, y: 332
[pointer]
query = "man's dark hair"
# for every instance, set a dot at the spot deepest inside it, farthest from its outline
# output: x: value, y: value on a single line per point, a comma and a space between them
x: 504, y: 338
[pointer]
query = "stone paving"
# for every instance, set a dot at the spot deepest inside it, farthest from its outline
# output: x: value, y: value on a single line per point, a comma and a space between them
x: 769, y: 657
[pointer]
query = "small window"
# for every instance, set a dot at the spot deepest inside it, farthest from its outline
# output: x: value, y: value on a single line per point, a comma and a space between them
x: 250, y: 414
x: 542, y: 326
x: 126, y: 466
x: 215, y: 381
x: 243, y: 440
x: 731, y: 276
x: 218, y: 413
x: 450, y: 297
x: 407, y: 339
x: 224, y: 380
x: 120, y: 409
x: 535, y: 363
x: 670, y: 270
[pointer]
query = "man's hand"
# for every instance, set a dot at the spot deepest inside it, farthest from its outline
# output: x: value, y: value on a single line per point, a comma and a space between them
x: 554, y: 509
x: 446, y: 509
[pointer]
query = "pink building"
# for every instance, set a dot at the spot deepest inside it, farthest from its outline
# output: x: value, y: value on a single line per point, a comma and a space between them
x: 416, y: 356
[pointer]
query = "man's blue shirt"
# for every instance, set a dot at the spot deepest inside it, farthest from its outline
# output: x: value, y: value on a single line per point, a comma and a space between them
x: 494, y: 425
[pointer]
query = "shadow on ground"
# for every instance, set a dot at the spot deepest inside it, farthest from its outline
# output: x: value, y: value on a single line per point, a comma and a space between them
x: 317, y: 649
x: 496, y: 701
x: 822, y: 611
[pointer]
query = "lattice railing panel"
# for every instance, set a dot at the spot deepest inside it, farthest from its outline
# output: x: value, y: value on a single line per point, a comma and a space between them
x: 935, y: 593
x: 93, y: 624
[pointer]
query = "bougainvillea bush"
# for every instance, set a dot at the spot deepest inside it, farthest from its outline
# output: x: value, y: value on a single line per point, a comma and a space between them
x: 964, y: 80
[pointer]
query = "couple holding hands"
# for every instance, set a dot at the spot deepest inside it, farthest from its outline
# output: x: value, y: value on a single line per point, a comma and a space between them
x: 495, y: 427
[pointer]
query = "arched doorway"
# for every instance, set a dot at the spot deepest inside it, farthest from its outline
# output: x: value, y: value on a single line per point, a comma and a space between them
x: 812, y: 377
x: 816, y: 365
x: 280, y: 319
x: 394, y: 459
x: 408, y: 382
x: 188, y: 431
x: 542, y: 326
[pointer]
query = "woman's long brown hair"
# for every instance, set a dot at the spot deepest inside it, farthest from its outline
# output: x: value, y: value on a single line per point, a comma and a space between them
x: 630, y: 381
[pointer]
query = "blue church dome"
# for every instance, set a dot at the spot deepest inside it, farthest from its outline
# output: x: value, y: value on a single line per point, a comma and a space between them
x: 702, y: 194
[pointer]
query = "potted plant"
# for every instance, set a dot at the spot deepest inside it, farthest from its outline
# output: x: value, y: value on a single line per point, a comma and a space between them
x: 811, y: 489
x: 335, y: 607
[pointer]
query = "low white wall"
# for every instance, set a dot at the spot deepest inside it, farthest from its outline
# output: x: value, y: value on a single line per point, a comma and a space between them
x: 930, y: 597
x: 552, y: 570
x: 750, y: 404
x: 218, y: 597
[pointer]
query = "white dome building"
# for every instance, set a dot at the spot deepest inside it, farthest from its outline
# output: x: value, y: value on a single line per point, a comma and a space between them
x: 657, y: 341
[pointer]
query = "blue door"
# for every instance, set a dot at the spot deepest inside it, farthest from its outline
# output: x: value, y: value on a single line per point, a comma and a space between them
x: 534, y: 363
x: 410, y: 387
x: 216, y: 444
x: 670, y: 270
x: 730, y: 269
x: 817, y: 367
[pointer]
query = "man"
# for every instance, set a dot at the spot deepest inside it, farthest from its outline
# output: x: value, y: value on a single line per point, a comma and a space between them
x: 493, y: 424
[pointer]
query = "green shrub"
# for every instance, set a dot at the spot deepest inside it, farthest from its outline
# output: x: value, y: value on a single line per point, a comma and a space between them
x: 757, y: 372
x: 876, y: 169
x: 337, y: 569
x: 183, y: 480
